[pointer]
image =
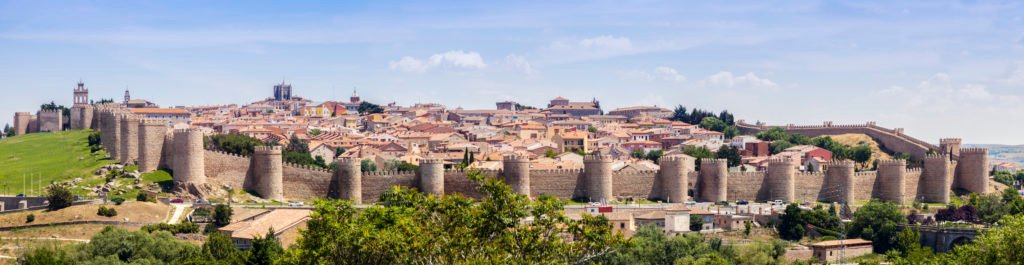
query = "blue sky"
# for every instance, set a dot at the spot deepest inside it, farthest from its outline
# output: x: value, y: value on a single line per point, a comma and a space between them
x: 937, y: 68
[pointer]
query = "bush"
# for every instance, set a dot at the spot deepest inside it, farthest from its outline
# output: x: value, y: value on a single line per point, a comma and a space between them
x: 117, y: 200
x: 144, y: 197
x: 222, y: 215
x: 182, y: 228
x: 59, y: 196
x: 108, y: 212
x: 30, y: 218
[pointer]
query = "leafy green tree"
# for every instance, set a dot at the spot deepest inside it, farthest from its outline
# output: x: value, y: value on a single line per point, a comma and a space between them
x: 696, y: 222
x: 265, y: 250
x: 338, y: 151
x: 219, y: 247
x: 679, y: 114
x: 791, y: 226
x: 550, y: 153
x: 861, y: 154
x: 637, y: 153
x: 368, y: 165
x: 59, y: 196
x: 235, y: 143
x: 116, y: 246
x: 222, y: 215
x: 8, y: 130
x: 654, y: 155
x: 698, y: 153
x: 408, y: 227
x: 877, y: 221
x: 369, y: 108
x: 994, y: 246
x: 650, y: 245
x: 731, y: 154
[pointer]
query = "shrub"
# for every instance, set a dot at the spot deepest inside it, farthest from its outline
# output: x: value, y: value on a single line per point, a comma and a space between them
x: 59, y: 196
x: 144, y: 197
x: 182, y: 228
x: 108, y: 212
x: 30, y: 218
x: 117, y: 200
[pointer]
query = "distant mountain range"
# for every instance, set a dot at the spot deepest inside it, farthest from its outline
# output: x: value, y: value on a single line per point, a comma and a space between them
x: 998, y: 153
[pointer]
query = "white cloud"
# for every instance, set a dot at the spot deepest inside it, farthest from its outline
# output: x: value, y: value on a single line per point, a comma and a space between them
x: 660, y: 73
x: 940, y: 93
x: 450, y: 59
x: 607, y: 42
x: 727, y: 79
x: 520, y: 63
x: 1015, y: 75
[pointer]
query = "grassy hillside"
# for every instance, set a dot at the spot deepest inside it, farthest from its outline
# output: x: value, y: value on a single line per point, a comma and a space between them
x: 46, y: 157
x: 854, y: 139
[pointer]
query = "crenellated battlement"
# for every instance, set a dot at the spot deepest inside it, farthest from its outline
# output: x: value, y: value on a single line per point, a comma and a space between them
x: 593, y: 157
x: 556, y: 171
x: 865, y: 174
x: 307, y: 167
x: 389, y: 173
x: 347, y: 160
x: 839, y: 164
x: 431, y: 161
x: 892, y: 162
x: 973, y: 150
x: 50, y: 111
x: 713, y: 161
x: 784, y: 161
x: 268, y: 149
x: 934, y: 157
x: 227, y: 154
x: 806, y: 174
x: 515, y: 157
x: 152, y: 122
x: 675, y: 158
x: 950, y: 141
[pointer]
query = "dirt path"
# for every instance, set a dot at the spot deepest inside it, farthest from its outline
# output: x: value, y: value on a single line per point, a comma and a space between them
x: 178, y: 210
x: 49, y: 238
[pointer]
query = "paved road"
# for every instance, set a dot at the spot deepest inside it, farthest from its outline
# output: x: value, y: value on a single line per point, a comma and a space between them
x: 178, y: 210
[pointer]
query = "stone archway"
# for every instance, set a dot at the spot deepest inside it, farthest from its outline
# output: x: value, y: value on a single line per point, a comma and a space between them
x: 961, y: 240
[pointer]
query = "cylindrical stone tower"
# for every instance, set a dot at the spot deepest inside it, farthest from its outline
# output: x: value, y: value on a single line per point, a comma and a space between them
x: 781, y: 177
x: 106, y: 131
x: 892, y: 176
x: 714, y: 179
x: 151, y: 143
x: 115, y: 136
x: 21, y: 121
x: 189, y: 166
x: 675, y: 177
x: 936, y: 179
x: 973, y: 170
x: 167, y: 157
x: 598, y: 170
x: 267, y: 173
x: 432, y: 176
x: 129, y: 151
x: 348, y: 178
x: 950, y: 146
x: 839, y: 181
x: 517, y: 173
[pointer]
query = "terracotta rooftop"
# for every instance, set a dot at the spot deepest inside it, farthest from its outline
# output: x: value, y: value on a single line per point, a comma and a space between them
x: 157, y: 111
x: 279, y: 219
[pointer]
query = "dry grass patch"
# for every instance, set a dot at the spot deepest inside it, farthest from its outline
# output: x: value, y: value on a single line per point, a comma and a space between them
x: 142, y: 212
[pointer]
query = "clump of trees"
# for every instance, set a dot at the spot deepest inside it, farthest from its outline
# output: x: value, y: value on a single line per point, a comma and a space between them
x: 796, y: 223
x: 724, y: 122
x: 724, y: 152
x: 652, y: 155
x: 877, y: 221
x: 781, y: 140
x: 1005, y: 177
x: 369, y: 108
x: 999, y: 245
x: 59, y: 196
x: 106, y: 211
x: 180, y: 228
x: 650, y: 245
x: 408, y: 227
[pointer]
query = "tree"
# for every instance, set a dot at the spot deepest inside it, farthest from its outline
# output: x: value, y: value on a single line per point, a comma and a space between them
x: 679, y: 114
x: 746, y: 228
x: 235, y: 143
x: 861, y: 154
x: 59, y: 196
x: 698, y: 153
x: 696, y: 222
x: 219, y: 247
x: 265, y: 249
x: 712, y: 123
x: 408, y: 227
x: 791, y: 226
x: 367, y: 165
x: 116, y: 246
x: 877, y: 221
x: 654, y: 155
x: 369, y: 108
x: 994, y: 246
x: 730, y: 154
x: 222, y: 215
x: 338, y: 151
x: 8, y: 130
x: 550, y: 153
x: 637, y: 153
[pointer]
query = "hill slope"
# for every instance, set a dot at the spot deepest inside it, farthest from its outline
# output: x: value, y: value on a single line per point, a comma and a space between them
x: 46, y: 157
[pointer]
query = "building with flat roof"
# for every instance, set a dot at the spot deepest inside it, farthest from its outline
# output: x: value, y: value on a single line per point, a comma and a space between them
x: 284, y: 222
x: 834, y: 250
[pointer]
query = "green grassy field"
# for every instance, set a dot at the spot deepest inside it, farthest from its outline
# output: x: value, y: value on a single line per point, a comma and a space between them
x: 29, y: 162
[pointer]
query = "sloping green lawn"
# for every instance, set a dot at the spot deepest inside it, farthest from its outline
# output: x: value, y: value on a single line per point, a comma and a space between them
x: 35, y: 160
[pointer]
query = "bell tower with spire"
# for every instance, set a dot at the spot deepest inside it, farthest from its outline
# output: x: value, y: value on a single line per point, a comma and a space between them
x: 127, y: 97
x: 81, y: 94
x: 355, y: 97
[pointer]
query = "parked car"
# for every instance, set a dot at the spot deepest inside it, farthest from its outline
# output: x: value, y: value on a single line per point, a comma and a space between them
x: 778, y: 202
x: 296, y: 204
x: 20, y: 195
x: 691, y: 203
x: 177, y: 200
x: 742, y: 202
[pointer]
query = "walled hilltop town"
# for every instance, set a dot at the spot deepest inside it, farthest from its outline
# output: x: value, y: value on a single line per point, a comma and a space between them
x: 607, y: 160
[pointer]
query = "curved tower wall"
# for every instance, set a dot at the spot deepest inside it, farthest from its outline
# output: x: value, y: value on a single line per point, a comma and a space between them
x: 151, y: 144
x: 936, y: 179
x: 781, y: 178
x: 598, y: 172
x: 675, y: 177
x: 129, y: 151
x: 516, y: 169
x: 267, y: 173
x: 348, y: 177
x: 115, y: 136
x: 21, y: 121
x: 973, y: 169
x: 167, y: 154
x: 432, y: 176
x: 892, y: 175
x: 714, y: 179
x: 840, y: 182
x: 950, y: 146
x: 189, y: 165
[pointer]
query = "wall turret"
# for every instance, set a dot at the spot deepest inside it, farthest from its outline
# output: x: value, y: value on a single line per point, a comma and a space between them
x: 151, y: 143
x: 781, y: 178
x: 936, y: 179
x: 598, y: 172
x: 129, y: 151
x: 348, y: 179
x: 714, y: 179
x: 81, y: 116
x: 675, y: 177
x: 266, y: 173
x: 892, y: 175
x: 21, y: 121
x: 839, y: 182
x: 50, y: 120
x: 950, y: 146
x: 972, y: 170
x: 115, y: 135
x: 516, y: 169
x: 432, y: 176
x: 189, y: 165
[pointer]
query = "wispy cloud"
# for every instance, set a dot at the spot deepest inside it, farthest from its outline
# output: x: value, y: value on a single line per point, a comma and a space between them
x: 726, y: 79
x: 520, y: 63
x: 660, y: 73
x: 448, y: 60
